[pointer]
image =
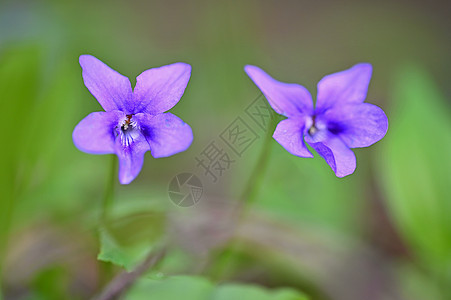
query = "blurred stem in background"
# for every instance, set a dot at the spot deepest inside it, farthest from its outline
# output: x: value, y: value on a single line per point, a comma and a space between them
x: 125, y: 280
x: 106, y: 268
x: 253, y: 185
x: 109, y: 192
x: 227, y: 263
x: 114, y: 285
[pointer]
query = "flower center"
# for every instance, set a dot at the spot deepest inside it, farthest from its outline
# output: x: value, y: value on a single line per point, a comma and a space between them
x: 313, y: 129
x: 127, y: 123
x: 129, y: 131
x: 317, y: 129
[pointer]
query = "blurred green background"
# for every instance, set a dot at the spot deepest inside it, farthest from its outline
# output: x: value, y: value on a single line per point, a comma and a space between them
x: 382, y: 233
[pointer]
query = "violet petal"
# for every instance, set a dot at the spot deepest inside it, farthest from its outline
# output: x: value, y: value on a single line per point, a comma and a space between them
x: 337, y: 155
x: 95, y: 134
x: 345, y: 87
x: 166, y: 133
x: 131, y: 156
x: 288, y: 99
x: 159, y: 89
x: 290, y: 134
x: 111, y: 89
x: 358, y: 125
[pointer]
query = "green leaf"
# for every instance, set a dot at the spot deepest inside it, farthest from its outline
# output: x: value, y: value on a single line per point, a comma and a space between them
x: 127, y: 256
x: 199, y: 288
x: 177, y: 287
x: 242, y: 291
x: 416, y: 167
x: 110, y: 251
x: 132, y: 232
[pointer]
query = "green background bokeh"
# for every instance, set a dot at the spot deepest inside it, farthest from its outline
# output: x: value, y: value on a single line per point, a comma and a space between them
x: 382, y: 233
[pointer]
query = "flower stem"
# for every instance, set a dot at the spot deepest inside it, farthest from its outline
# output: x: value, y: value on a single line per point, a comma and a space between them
x: 109, y: 192
x: 106, y: 269
x: 253, y: 185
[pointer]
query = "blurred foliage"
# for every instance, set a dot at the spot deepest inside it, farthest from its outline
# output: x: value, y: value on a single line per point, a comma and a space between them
x: 416, y: 170
x: 383, y: 233
x: 198, y: 288
x: 19, y: 66
x: 136, y: 227
x: 336, y: 207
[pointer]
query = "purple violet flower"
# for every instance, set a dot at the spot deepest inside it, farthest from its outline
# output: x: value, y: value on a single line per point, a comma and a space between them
x: 134, y: 121
x: 339, y: 122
